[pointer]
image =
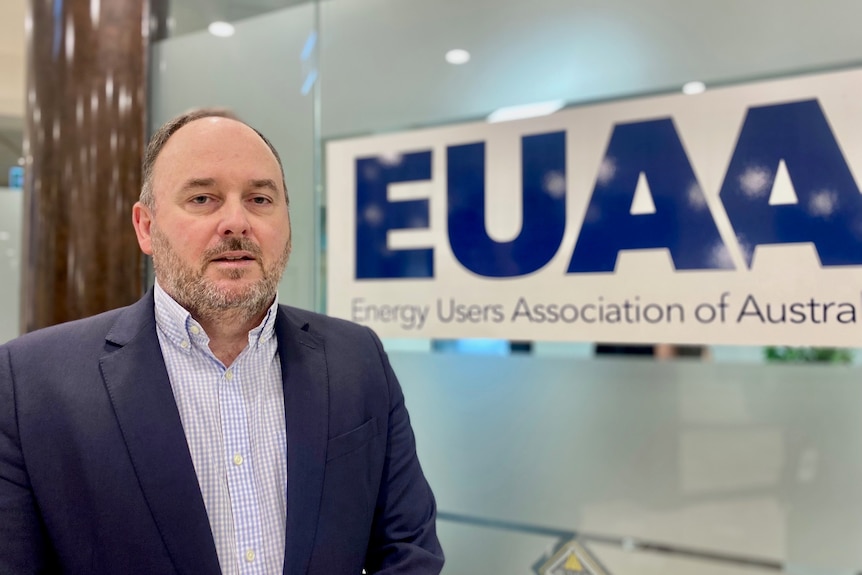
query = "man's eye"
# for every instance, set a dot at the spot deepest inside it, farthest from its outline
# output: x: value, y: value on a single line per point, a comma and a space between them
x: 199, y: 200
x: 260, y: 200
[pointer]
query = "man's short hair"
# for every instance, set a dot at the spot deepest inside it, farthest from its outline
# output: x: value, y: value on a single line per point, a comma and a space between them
x: 164, y: 133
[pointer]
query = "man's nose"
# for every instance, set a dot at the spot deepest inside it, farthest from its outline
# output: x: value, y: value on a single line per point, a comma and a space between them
x: 234, y: 220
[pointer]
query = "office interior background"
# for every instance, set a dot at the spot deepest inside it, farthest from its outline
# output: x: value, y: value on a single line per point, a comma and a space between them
x: 721, y: 464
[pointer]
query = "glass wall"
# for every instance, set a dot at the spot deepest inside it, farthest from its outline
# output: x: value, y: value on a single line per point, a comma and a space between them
x: 12, y: 67
x: 11, y: 232
x: 724, y: 466
x: 11, y: 90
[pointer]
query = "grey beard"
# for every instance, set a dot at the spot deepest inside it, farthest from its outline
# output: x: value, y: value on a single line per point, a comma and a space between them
x: 201, y: 297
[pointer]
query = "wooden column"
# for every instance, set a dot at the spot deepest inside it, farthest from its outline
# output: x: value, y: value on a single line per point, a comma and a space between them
x: 83, y: 144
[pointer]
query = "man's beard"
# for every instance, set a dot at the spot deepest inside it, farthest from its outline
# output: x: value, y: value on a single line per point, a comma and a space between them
x: 200, y: 295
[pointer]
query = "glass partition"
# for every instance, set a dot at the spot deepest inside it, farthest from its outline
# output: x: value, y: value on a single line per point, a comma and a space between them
x: 724, y: 465
x: 11, y: 93
x: 11, y: 162
x: 11, y: 233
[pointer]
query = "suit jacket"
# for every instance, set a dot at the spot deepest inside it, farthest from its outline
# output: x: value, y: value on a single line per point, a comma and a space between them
x: 96, y: 475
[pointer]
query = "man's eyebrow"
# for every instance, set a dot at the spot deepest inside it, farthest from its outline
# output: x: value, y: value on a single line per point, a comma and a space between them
x: 194, y: 183
x: 198, y: 183
x: 264, y: 183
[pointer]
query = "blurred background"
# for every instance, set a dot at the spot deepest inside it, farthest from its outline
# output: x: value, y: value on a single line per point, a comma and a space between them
x: 695, y: 459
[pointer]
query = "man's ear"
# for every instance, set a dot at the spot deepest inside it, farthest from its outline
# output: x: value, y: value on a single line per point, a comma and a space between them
x: 142, y: 219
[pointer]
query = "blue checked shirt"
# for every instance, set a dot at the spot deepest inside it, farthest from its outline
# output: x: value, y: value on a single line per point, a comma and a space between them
x: 233, y: 419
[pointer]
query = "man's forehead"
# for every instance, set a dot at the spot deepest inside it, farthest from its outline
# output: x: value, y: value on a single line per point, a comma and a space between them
x: 203, y: 130
x: 216, y: 135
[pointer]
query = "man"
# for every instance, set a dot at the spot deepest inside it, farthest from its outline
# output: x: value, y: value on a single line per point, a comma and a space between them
x: 207, y: 428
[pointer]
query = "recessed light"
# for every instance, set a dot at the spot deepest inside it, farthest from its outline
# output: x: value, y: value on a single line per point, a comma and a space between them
x: 221, y: 29
x: 526, y: 111
x: 692, y: 88
x: 457, y: 56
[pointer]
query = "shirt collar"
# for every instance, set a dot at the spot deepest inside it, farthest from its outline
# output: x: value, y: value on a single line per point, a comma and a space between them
x: 178, y: 325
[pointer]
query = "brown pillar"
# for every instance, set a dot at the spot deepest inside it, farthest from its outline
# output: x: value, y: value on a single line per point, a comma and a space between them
x: 83, y: 144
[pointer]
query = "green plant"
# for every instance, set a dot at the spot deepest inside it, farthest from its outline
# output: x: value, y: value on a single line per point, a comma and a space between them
x: 809, y: 354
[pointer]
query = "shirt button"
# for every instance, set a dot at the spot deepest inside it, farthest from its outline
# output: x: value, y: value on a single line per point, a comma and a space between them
x: 249, y: 555
x: 184, y: 344
x: 228, y: 375
x: 194, y: 329
x: 237, y: 459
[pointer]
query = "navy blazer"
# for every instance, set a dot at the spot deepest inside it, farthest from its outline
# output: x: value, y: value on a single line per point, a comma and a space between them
x: 96, y: 475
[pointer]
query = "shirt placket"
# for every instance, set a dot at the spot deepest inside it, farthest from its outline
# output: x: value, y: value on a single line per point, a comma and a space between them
x: 240, y: 476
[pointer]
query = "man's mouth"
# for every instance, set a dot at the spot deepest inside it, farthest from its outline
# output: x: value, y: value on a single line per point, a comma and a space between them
x: 234, y: 257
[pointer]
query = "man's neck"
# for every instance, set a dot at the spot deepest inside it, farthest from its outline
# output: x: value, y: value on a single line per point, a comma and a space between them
x: 228, y: 332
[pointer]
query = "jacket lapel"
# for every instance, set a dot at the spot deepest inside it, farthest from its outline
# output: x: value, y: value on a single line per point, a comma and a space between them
x: 137, y: 382
x: 306, y: 406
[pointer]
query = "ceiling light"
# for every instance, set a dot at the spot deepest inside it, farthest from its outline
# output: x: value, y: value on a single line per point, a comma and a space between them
x: 221, y: 29
x: 457, y: 56
x: 525, y: 111
x: 692, y: 88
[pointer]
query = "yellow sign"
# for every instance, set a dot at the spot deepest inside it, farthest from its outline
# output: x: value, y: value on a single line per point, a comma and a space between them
x: 572, y: 559
x: 573, y: 564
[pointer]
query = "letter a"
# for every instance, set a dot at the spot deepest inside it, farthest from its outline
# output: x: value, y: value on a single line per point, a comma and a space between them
x: 681, y: 220
x: 828, y: 210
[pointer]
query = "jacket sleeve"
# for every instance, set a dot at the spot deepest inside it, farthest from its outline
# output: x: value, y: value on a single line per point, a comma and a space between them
x: 404, y: 535
x: 23, y: 544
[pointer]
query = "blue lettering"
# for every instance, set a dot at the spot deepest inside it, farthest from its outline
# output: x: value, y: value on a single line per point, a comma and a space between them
x: 376, y: 216
x: 828, y: 211
x: 682, y: 222
x: 544, y: 208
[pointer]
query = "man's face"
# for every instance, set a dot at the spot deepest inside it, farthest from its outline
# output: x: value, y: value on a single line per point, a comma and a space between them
x: 220, y: 231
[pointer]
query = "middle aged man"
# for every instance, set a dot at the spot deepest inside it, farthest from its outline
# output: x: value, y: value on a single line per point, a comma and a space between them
x: 207, y: 428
